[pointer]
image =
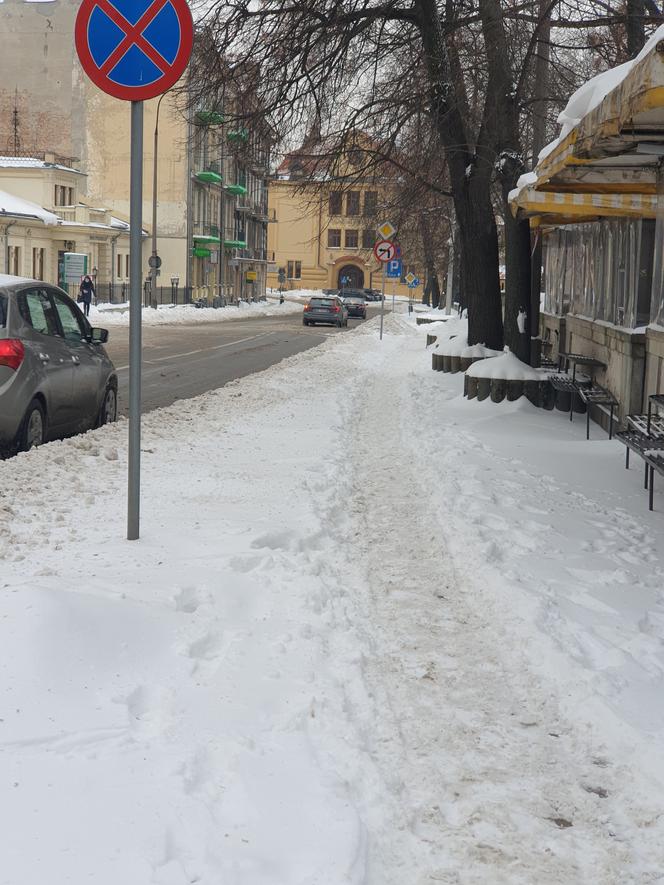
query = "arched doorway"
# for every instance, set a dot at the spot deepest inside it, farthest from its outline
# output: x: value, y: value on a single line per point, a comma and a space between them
x: 350, y: 277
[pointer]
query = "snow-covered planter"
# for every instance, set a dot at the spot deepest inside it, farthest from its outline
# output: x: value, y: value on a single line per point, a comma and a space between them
x: 454, y: 354
x: 506, y: 377
x: 420, y: 321
x: 439, y: 328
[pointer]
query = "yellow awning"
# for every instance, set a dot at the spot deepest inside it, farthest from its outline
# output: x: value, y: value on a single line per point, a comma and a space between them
x: 577, y: 207
x: 607, y: 164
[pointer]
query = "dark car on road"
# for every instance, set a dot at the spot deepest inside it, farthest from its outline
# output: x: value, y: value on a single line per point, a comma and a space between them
x: 325, y: 309
x: 356, y: 305
x: 372, y: 295
x: 55, y: 376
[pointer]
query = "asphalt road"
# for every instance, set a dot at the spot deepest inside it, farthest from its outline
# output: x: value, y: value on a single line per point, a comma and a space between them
x: 184, y: 360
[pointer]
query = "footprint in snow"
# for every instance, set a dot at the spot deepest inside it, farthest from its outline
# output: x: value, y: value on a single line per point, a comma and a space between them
x: 188, y: 600
x: 207, y: 648
x: 274, y: 540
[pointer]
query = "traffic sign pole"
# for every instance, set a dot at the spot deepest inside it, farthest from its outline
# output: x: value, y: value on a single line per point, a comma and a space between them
x: 382, y: 304
x: 134, y: 51
x: 135, y: 269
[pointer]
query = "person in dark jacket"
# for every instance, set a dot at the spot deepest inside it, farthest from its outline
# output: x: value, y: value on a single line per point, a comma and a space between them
x: 86, y: 293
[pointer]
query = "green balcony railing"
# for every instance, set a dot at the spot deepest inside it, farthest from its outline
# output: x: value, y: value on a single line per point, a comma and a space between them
x: 209, y: 118
x: 238, y: 135
x: 237, y: 189
x: 209, y: 176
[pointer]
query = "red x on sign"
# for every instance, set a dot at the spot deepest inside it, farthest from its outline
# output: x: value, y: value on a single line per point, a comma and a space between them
x: 134, y: 49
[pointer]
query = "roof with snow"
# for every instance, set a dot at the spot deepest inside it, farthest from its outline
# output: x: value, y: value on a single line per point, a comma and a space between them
x: 34, y: 163
x: 605, y: 159
x: 16, y: 207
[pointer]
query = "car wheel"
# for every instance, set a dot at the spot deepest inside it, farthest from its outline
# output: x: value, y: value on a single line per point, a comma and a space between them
x: 109, y: 407
x: 33, y: 431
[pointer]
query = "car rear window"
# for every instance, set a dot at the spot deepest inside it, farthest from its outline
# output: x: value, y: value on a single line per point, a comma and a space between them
x: 3, y: 310
x: 321, y: 302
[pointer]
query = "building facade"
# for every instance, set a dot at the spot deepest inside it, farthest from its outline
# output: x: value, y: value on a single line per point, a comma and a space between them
x: 597, y: 198
x: 324, y: 236
x: 42, y: 221
x: 52, y: 106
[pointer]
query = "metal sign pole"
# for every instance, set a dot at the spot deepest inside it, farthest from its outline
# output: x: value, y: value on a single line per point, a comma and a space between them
x: 382, y: 304
x: 135, y: 268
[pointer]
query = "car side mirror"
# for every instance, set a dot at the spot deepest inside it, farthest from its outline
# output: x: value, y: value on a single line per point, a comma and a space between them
x: 98, y: 336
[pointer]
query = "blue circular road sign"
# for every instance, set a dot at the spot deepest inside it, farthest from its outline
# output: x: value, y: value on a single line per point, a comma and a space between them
x: 134, y: 49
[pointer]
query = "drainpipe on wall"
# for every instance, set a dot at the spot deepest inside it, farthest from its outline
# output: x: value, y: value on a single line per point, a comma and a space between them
x: 114, y: 241
x: 6, y: 250
x: 189, y: 211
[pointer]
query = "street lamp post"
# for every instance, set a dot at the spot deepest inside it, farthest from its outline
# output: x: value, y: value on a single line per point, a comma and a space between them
x: 154, y: 263
x: 222, y: 210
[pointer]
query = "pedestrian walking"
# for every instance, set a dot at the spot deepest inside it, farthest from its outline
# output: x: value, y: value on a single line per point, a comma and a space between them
x: 86, y: 293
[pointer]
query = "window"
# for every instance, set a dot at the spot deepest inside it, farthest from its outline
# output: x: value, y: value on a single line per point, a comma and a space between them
x: 38, y: 264
x: 353, y: 203
x: 294, y: 270
x: 335, y: 203
x: 72, y: 326
x: 351, y: 239
x: 61, y: 193
x: 368, y: 239
x: 70, y: 196
x: 15, y: 261
x: 334, y: 238
x: 370, y: 202
x: 122, y: 261
x: 36, y: 309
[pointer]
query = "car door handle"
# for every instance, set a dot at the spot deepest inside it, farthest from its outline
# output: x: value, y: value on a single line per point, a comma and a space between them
x: 44, y: 357
x: 75, y: 360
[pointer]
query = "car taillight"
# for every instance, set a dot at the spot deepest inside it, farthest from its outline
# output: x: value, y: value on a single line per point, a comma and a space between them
x: 336, y: 309
x: 306, y: 306
x: 11, y: 352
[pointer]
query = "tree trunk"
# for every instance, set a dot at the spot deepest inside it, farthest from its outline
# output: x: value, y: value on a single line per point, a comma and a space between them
x: 541, y: 83
x: 480, y: 282
x: 501, y: 128
x: 636, y: 34
x: 517, y: 283
x: 478, y: 238
x: 432, y: 290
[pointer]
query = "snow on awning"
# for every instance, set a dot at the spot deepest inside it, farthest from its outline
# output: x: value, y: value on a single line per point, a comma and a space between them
x: 610, y: 143
x: 565, y: 207
x: 15, y: 207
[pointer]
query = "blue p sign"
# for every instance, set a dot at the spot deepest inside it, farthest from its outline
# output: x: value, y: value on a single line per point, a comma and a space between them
x: 393, y: 268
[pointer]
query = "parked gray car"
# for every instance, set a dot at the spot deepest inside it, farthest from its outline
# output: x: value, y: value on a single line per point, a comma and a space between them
x: 325, y: 309
x: 55, y: 376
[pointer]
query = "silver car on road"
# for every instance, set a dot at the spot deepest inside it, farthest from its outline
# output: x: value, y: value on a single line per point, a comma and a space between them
x: 55, y: 376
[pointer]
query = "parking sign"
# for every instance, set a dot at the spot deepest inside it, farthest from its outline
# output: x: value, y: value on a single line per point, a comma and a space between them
x: 393, y: 268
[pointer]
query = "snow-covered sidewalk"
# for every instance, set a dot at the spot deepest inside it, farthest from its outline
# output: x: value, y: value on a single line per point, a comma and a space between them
x: 372, y: 634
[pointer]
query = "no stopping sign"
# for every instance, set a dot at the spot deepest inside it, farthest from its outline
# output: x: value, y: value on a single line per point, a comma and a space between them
x: 134, y: 49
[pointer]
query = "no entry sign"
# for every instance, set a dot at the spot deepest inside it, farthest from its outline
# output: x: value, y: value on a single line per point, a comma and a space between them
x: 134, y: 49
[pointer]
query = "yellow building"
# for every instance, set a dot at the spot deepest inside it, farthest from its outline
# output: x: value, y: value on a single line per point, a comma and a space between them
x: 324, y: 239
